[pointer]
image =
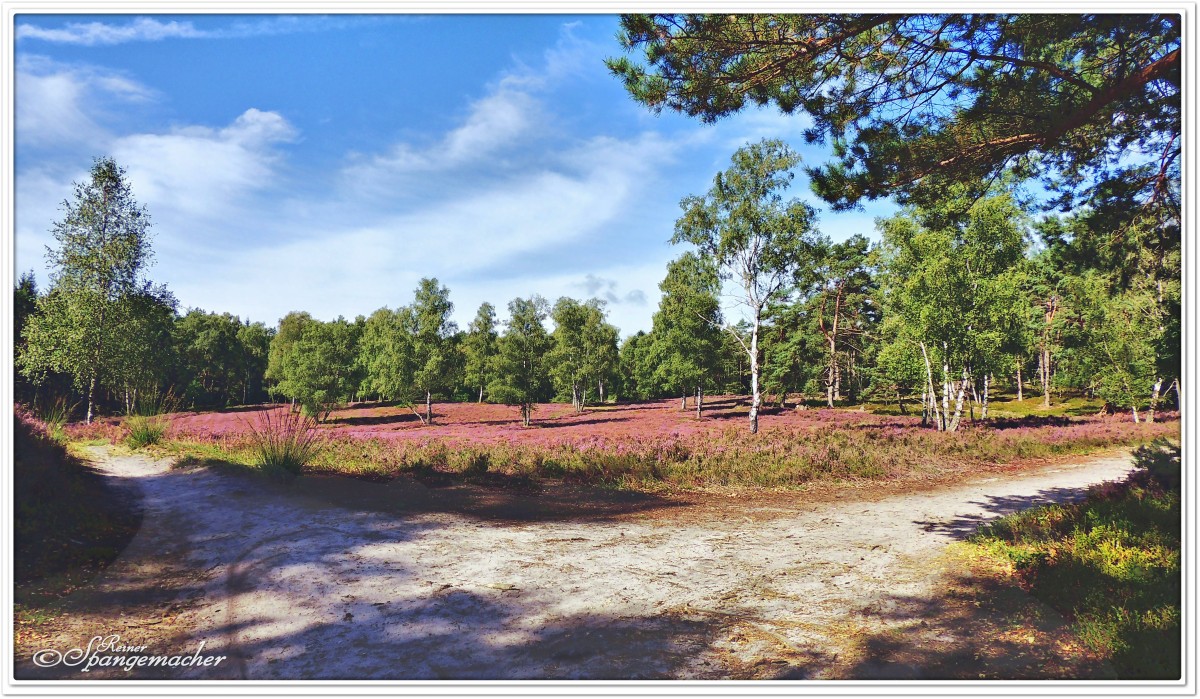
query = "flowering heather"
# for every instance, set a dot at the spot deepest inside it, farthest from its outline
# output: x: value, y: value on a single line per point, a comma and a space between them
x: 655, y: 443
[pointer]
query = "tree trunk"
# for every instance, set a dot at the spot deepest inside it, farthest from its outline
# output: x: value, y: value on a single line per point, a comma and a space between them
x: 1135, y: 415
x: 1046, y: 377
x: 755, y: 397
x: 958, y: 403
x: 1020, y: 385
x: 831, y: 381
x: 924, y: 407
x: 91, y: 394
x: 987, y: 379
x: 480, y: 393
x: 428, y: 408
x: 699, y: 400
x: 837, y: 380
x: 600, y: 390
x: 1154, y: 400
x: 930, y: 394
x: 945, y: 386
x: 683, y: 401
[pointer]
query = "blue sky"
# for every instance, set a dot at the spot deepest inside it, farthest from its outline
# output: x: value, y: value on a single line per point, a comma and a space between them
x: 327, y: 163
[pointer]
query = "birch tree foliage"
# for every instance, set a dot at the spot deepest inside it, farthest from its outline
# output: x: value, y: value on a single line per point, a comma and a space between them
x: 434, y: 361
x: 522, y: 376
x: 754, y: 237
x: 479, y: 349
x: 957, y: 291
x: 687, y: 327
x: 385, y: 354
x: 103, y: 247
x: 913, y: 103
x: 316, y: 363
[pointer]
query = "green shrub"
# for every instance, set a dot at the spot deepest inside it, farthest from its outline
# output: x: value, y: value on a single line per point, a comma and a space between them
x: 284, y: 442
x: 145, y: 430
x: 1160, y: 461
x: 1110, y: 563
x: 147, y: 423
x: 56, y: 417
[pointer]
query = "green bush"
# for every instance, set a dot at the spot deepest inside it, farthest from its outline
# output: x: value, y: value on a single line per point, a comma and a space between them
x: 145, y: 430
x: 148, y: 421
x: 284, y: 442
x: 1110, y: 563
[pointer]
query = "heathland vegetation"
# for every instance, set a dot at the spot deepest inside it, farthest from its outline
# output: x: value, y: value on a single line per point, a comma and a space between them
x: 1025, y: 303
x: 1038, y: 251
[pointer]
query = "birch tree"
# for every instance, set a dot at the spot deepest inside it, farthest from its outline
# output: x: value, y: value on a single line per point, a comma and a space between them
x: 521, y: 373
x: 956, y: 289
x: 434, y: 367
x: 103, y: 249
x: 479, y: 348
x: 755, y: 238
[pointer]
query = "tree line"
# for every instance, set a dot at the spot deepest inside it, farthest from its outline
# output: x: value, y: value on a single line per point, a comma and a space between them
x: 936, y: 316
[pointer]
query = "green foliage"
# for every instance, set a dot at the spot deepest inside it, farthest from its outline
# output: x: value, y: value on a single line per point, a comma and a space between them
x: 687, y: 327
x: 84, y: 326
x: 916, y: 103
x: 752, y: 236
x: 221, y: 359
x: 434, y: 361
x: 284, y: 442
x: 1112, y: 563
x: 636, y: 368
x: 584, y: 351
x: 956, y: 290
x: 480, y: 348
x: 522, y: 375
x: 315, y: 363
x: 385, y: 354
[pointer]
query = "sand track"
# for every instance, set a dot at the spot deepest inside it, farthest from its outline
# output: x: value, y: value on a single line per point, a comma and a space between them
x: 292, y: 587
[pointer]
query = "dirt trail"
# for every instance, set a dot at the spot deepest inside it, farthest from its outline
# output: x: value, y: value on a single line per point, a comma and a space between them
x: 290, y: 587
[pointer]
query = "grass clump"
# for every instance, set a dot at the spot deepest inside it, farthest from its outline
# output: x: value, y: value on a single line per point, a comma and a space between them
x: 55, y: 416
x: 147, y: 423
x: 284, y: 442
x: 1111, y: 564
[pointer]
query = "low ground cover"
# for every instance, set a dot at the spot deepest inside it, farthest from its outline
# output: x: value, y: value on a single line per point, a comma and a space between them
x: 655, y: 444
x: 69, y: 521
x: 1111, y: 564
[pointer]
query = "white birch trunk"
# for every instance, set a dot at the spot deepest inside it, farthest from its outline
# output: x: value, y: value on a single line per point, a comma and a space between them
x: 945, y: 386
x: 930, y: 393
x: 958, y: 403
x: 986, y: 384
x: 755, y: 398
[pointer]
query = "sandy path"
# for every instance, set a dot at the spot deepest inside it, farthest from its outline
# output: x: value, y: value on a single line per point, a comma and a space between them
x: 298, y: 589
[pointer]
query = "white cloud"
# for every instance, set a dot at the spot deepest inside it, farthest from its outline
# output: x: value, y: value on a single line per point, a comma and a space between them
x: 150, y: 29
x: 505, y: 118
x: 493, y: 124
x: 59, y: 105
x: 201, y: 171
x: 102, y: 34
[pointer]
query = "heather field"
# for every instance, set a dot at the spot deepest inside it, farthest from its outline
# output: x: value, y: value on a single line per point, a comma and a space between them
x: 655, y: 444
